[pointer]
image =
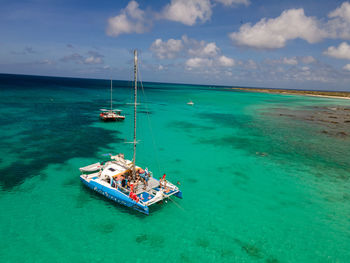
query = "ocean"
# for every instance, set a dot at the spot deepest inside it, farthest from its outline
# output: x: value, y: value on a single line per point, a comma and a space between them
x: 264, y: 178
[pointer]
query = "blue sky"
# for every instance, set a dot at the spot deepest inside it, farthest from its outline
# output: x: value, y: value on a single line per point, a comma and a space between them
x: 279, y: 44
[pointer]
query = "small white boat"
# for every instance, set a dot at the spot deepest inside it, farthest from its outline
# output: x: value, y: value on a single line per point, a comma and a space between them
x: 190, y: 103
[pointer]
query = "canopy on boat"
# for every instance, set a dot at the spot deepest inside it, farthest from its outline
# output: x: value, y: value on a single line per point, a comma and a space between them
x: 113, y: 170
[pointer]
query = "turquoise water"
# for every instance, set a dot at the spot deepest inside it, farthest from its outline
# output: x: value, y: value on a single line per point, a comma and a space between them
x: 257, y: 187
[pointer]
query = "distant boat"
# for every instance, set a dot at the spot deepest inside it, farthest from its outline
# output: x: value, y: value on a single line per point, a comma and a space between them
x: 190, y: 103
x: 125, y: 183
x: 112, y: 114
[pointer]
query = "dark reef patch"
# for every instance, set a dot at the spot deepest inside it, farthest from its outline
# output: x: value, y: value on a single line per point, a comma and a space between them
x: 251, y: 249
x: 105, y: 228
x: 272, y: 260
x: 54, y: 133
x: 141, y: 238
x: 71, y: 181
x: 184, y: 125
x: 334, y: 120
x: 191, y: 180
x: 201, y: 242
x: 223, y: 119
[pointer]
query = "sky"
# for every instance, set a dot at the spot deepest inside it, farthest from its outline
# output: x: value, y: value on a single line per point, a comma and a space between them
x: 290, y: 44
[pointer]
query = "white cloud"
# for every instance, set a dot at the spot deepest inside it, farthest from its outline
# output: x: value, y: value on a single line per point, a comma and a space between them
x: 339, y: 25
x: 168, y: 49
x: 214, y: 63
x: 198, y: 62
x: 92, y: 58
x: 341, y: 52
x: 234, y: 2
x: 275, y: 32
x: 201, y: 48
x: 190, y: 47
x: 187, y: 12
x: 226, y: 62
x: 343, y: 12
x: 251, y: 64
x: 130, y: 20
x: 347, y: 67
x: 199, y: 54
x: 290, y: 61
x: 308, y: 59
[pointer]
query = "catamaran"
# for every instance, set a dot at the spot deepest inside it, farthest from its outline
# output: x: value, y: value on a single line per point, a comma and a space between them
x: 122, y: 181
x: 112, y: 114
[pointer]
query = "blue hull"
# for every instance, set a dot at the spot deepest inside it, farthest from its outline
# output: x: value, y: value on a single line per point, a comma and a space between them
x: 116, y: 196
x: 178, y: 194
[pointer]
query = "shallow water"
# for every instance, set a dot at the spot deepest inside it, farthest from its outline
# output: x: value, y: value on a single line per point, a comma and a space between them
x: 257, y: 186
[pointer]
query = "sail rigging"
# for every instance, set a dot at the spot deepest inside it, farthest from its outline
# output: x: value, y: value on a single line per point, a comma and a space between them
x: 111, y: 95
x: 135, y: 107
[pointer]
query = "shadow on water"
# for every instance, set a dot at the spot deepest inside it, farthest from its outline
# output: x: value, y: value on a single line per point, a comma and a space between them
x: 150, y: 240
x: 121, y: 208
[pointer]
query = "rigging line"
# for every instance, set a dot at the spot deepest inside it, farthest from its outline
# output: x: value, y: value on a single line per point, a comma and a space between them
x: 179, y: 206
x: 150, y: 125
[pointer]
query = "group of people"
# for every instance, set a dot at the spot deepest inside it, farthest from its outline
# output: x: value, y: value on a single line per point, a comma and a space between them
x: 131, y: 181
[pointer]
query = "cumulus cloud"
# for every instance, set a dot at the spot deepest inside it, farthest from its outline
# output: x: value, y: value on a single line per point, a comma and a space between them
x: 275, y: 32
x: 73, y: 57
x: 92, y: 57
x: 339, y: 24
x: 233, y: 2
x: 198, y: 63
x: 201, y: 48
x: 215, y: 63
x: 290, y: 61
x: 166, y: 49
x: 347, y: 67
x: 343, y: 11
x: 251, y: 64
x: 46, y: 62
x: 188, y: 46
x: 199, y: 54
x: 26, y: 50
x: 130, y: 20
x: 93, y: 60
x: 226, y: 62
x: 308, y: 59
x: 341, y: 52
x: 187, y: 12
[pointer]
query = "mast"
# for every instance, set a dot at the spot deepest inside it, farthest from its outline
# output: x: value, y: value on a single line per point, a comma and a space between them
x: 111, y: 96
x: 135, y: 105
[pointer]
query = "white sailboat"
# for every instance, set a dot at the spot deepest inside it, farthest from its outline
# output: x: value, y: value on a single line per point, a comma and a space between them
x: 122, y: 181
x: 111, y: 114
